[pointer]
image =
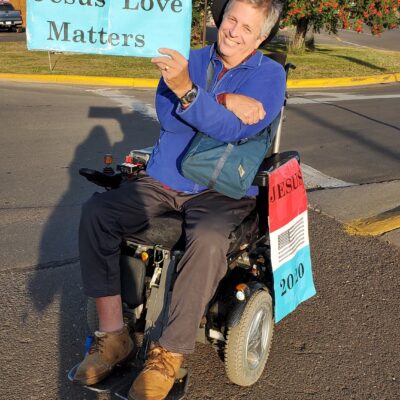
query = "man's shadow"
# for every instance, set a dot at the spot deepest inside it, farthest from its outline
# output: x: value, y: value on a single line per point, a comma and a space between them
x: 57, y: 277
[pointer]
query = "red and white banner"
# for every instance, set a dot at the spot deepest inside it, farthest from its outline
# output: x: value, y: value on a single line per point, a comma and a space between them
x: 290, y: 246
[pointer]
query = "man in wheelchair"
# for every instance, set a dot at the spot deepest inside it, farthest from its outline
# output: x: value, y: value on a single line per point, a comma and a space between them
x: 239, y: 98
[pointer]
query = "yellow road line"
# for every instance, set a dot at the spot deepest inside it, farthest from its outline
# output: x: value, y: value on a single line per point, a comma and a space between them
x: 377, y: 225
x: 83, y: 80
x: 152, y: 83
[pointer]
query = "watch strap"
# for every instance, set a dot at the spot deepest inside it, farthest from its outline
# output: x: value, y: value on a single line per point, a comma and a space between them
x: 189, y: 96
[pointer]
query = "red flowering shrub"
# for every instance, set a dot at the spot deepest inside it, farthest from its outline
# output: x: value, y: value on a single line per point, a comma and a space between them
x: 337, y: 14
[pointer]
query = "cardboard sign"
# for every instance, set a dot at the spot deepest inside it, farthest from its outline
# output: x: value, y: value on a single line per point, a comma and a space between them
x: 290, y: 246
x: 113, y: 27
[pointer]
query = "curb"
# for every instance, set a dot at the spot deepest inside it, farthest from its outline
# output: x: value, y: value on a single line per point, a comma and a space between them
x: 338, y: 82
x: 82, y: 80
x: 152, y: 83
x: 376, y: 225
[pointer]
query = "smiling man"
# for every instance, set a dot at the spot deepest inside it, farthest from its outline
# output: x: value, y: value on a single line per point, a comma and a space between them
x: 228, y: 91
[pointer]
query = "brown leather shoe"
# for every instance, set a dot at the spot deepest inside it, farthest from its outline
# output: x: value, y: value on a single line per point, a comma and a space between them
x: 107, y: 350
x: 158, y: 376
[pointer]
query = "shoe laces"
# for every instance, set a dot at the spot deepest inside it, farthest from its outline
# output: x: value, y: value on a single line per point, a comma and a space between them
x: 98, y: 344
x: 159, y: 360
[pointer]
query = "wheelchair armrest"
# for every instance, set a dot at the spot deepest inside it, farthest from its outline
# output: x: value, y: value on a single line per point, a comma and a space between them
x: 272, y: 163
x: 101, y: 179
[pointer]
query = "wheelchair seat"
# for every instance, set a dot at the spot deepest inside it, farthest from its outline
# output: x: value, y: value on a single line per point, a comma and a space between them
x: 164, y: 231
x: 167, y: 231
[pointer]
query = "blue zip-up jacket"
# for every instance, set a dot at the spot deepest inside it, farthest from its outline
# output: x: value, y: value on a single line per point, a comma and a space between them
x: 258, y: 77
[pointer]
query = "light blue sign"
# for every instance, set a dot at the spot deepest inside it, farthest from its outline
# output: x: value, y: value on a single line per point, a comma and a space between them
x: 293, y: 283
x: 112, y: 27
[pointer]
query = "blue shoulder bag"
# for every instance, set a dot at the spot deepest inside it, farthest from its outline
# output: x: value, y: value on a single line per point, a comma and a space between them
x: 228, y: 168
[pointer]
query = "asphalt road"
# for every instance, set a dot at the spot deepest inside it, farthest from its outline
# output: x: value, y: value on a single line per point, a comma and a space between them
x: 351, y: 134
x: 343, y: 343
x: 389, y: 40
x: 6, y: 36
x: 49, y: 132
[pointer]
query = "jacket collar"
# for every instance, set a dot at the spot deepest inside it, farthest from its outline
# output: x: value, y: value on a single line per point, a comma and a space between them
x: 251, y: 61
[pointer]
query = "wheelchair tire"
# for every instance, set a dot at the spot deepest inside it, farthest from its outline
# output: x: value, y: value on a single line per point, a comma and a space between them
x: 91, y: 315
x: 249, y: 342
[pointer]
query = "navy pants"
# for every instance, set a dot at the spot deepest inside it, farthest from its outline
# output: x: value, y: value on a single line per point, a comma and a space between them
x: 209, y: 218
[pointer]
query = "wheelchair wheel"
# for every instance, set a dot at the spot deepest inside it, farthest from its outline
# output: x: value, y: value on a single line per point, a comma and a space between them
x: 249, y: 342
x: 91, y: 315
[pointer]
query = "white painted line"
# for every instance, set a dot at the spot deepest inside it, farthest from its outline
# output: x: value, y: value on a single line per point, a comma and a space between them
x: 312, y: 177
x: 335, y: 97
x: 354, y: 44
x: 128, y: 102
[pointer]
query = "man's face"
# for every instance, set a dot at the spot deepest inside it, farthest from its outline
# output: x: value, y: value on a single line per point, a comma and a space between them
x: 239, y: 33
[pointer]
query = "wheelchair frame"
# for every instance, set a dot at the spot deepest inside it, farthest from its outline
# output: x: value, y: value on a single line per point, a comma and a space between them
x: 248, y: 283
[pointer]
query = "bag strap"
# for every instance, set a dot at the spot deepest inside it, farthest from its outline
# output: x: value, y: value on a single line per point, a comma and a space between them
x: 210, y: 75
x: 220, y: 164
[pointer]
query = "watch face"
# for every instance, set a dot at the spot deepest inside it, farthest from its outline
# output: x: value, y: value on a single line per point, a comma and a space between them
x: 191, y: 95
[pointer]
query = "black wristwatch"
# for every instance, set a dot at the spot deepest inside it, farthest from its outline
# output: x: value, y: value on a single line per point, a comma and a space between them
x: 189, y: 96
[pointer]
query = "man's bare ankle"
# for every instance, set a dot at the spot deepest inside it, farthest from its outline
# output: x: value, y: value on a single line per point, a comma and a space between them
x: 110, y: 328
x: 109, y: 310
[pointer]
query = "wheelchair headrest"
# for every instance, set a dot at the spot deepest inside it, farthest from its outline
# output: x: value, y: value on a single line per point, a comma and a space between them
x: 217, y: 10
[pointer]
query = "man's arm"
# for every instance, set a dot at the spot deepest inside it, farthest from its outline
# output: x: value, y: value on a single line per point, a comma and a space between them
x: 210, y: 117
x: 248, y: 110
x: 206, y: 115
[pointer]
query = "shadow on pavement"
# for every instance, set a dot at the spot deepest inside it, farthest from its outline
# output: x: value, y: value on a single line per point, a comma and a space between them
x: 351, y: 134
x: 67, y: 290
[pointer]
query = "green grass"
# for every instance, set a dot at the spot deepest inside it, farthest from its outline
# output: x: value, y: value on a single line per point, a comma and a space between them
x: 332, y: 62
x: 322, y: 62
x: 15, y: 58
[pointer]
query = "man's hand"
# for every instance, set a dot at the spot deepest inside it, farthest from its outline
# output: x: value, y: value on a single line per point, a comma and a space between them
x: 174, y: 70
x: 247, y: 109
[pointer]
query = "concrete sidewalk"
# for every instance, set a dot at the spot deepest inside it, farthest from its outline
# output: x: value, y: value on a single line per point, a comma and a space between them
x: 375, y: 213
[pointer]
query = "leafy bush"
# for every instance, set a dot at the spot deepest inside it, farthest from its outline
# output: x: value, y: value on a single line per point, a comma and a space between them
x: 336, y: 14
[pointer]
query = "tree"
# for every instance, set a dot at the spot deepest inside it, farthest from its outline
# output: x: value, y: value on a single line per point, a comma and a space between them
x: 336, y: 14
x: 197, y: 20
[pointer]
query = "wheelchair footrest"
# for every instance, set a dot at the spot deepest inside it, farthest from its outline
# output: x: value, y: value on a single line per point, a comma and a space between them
x: 121, y: 379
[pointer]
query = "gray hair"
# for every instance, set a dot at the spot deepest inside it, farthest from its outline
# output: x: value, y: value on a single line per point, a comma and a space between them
x: 271, y: 9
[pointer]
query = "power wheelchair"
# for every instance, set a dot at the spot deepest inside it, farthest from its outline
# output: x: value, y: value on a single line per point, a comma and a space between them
x: 239, y: 320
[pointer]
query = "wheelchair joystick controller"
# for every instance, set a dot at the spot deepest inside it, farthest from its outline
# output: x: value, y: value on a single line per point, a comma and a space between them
x: 108, y: 160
